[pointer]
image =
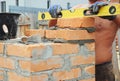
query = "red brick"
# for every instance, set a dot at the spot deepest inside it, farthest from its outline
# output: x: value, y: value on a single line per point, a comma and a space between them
x: 65, y: 48
x: 32, y: 32
x: 26, y: 50
x: 115, y: 1
x: 12, y: 76
x: 6, y: 63
x: 23, y: 29
x: 64, y: 75
x: 18, y: 50
x: 88, y: 22
x: 1, y: 48
x: 41, y: 65
x: 16, y: 77
x: 1, y: 72
x: 43, y: 77
x: 27, y: 32
x: 77, y: 60
x: 90, y: 46
x: 1, y: 75
x: 75, y: 22
x: 23, y: 50
x: 69, y: 34
x: 90, y: 69
x: 26, y: 65
x: 91, y: 79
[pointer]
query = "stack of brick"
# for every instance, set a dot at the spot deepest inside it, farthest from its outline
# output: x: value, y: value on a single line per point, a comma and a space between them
x: 66, y: 54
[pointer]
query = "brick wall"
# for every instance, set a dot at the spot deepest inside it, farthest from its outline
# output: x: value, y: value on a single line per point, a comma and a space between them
x: 65, y: 53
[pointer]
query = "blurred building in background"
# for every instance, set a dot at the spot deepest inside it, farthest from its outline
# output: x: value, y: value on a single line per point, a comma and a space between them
x: 29, y: 8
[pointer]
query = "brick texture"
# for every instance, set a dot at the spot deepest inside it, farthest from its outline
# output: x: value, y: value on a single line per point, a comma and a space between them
x: 69, y: 34
x: 1, y: 75
x: 32, y: 32
x: 48, y: 60
x: 23, y: 29
x: 78, y: 60
x: 45, y: 58
x: 14, y: 76
x: 43, y: 77
x: 22, y: 50
x: 90, y: 69
x: 115, y: 1
x: 6, y: 63
x: 75, y: 22
x: 41, y: 65
x: 64, y: 75
x: 60, y: 48
x: 1, y: 48
x: 90, y: 46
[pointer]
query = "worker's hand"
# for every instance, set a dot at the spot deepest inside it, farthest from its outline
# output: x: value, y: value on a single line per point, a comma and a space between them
x: 55, y: 11
x: 94, y: 8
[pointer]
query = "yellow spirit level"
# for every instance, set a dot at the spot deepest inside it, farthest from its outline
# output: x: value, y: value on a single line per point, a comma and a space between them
x: 83, y: 12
